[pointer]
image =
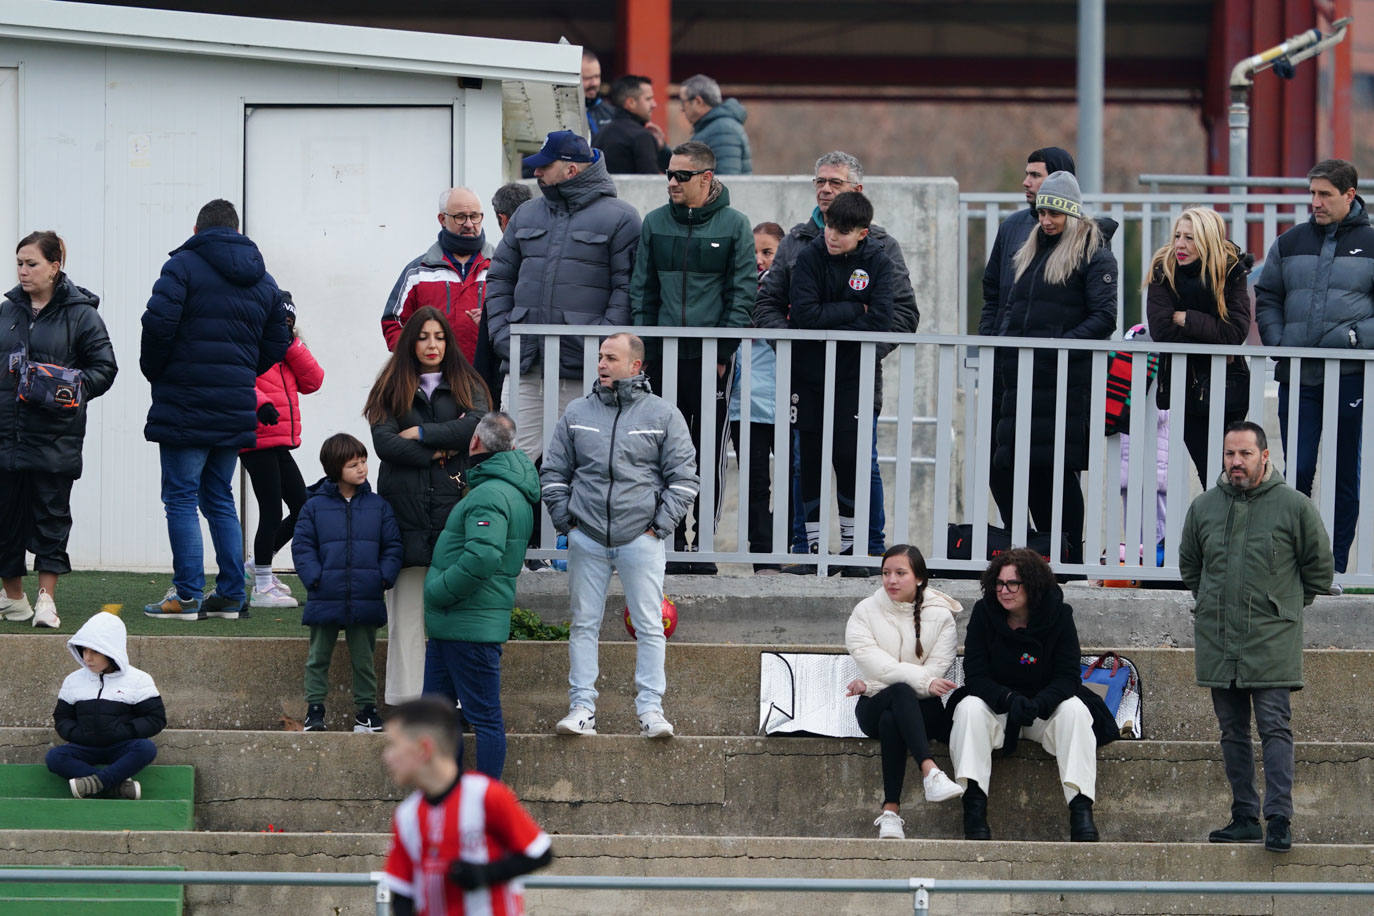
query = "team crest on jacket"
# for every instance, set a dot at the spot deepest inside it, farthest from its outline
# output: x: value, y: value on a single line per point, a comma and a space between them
x: 858, y: 280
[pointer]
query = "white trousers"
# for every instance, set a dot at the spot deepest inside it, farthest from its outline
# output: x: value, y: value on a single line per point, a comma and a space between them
x: 405, y: 636
x: 529, y: 419
x: 1067, y: 734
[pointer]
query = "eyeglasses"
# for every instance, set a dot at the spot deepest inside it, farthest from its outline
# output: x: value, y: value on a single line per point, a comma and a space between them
x: 835, y: 183
x: 1009, y: 585
x: 682, y: 176
x: 461, y: 218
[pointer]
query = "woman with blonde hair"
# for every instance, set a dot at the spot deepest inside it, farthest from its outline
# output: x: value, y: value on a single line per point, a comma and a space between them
x: 1198, y: 293
x: 1065, y: 287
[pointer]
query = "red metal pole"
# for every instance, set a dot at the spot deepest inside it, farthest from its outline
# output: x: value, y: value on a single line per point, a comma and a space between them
x: 1342, y: 143
x: 644, y: 29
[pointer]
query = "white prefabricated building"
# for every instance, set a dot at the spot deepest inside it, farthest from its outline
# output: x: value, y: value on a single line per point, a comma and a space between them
x: 117, y: 124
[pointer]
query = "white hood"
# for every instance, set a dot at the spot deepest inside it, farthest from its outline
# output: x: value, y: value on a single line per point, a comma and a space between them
x: 105, y: 634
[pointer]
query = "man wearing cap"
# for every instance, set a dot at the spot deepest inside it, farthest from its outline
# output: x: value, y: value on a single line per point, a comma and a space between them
x: 451, y: 276
x: 695, y: 268
x: 565, y: 258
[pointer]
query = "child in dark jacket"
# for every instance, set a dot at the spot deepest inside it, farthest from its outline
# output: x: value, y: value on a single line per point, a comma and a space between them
x: 108, y: 710
x: 347, y: 548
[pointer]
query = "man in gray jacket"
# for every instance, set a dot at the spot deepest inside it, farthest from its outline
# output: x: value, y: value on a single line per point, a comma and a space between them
x: 619, y: 475
x: 717, y: 123
x: 565, y: 258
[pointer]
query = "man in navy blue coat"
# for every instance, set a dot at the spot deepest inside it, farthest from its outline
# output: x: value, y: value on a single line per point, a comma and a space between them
x: 214, y: 323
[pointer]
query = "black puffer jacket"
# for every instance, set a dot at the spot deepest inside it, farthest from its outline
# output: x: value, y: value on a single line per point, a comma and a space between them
x: 421, y: 489
x: 69, y: 332
x: 1081, y: 308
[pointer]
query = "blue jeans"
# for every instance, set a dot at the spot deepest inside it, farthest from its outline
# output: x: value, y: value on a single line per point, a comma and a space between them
x: 640, y: 565
x: 201, y: 477
x: 121, y: 760
x: 470, y: 672
x: 1349, y: 421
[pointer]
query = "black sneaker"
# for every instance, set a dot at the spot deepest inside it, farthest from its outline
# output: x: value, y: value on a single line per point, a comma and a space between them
x: 801, y: 569
x: 216, y: 605
x: 367, y: 720
x: 1240, y: 830
x: 314, y: 718
x: 1278, y: 837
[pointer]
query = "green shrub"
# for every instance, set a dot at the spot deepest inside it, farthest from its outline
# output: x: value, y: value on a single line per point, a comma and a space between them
x: 526, y: 624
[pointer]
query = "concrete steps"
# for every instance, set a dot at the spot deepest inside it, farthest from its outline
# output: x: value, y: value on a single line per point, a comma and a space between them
x: 32, y: 797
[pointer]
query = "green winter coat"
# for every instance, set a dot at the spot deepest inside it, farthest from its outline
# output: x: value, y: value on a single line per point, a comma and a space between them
x: 695, y: 268
x: 1253, y: 559
x: 470, y: 586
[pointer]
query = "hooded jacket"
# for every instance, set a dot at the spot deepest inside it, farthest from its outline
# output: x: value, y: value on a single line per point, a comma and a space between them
x: 432, y: 279
x: 347, y: 553
x: 1253, y: 559
x: 881, y: 638
x: 98, y: 710
x: 621, y: 463
x: 281, y: 386
x: 69, y: 332
x: 628, y: 146
x: 695, y: 268
x: 722, y: 129
x: 565, y: 258
x: 1317, y: 290
x: 214, y: 323
x: 470, y: 586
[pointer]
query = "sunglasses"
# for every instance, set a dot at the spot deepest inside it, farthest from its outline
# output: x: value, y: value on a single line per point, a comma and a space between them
x: 682, y: 176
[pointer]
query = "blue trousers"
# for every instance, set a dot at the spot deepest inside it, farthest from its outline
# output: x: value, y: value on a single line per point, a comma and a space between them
x: 1349, y: 421
x: 120, y: 760
x: 470, y: 672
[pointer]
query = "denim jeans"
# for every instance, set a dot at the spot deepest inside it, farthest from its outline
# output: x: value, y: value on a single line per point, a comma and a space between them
x: 195, y: 476
x: 122, y: 760
x: 1272, y: 714
x: 470, y: 672
x: 1349, y: 421
x: 640, y: 565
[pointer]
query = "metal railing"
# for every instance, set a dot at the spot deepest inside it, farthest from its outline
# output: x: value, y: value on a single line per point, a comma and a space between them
x: 943, y: 387
x: 920, y: 889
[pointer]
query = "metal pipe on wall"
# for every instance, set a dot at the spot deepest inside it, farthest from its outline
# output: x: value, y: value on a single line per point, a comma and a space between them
x: 1091, y: 69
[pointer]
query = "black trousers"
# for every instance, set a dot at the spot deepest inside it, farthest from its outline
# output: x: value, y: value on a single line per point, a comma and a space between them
x: 900, y: 721
x: 35, y: 516
x: 844, y: 459
x: 1040, y: 503
x: 1195, y: 438
x: 275, y: 479
x: 760, y: 518
x: 696, y: 414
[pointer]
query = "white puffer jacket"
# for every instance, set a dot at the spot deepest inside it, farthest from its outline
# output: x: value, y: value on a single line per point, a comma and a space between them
x: 881, y: 638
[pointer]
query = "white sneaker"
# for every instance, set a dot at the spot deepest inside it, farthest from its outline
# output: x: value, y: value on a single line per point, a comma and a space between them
x: 889, y: 825
x: 271, y: 598
x: 45, y: 611
x: 579, y: 721
x: 653, y: 725
x: 940, y: 787
x: 15, y: 609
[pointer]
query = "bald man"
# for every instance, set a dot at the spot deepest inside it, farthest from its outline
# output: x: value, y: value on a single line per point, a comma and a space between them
x: 451, y: 276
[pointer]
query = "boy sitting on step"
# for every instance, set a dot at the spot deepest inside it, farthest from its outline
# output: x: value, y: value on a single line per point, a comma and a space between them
x: 108, y: 710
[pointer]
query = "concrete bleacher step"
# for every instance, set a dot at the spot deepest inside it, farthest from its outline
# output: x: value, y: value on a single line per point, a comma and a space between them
x: 713, y: 689
x: 31, y: 797
x: 1148, y: 791
x: 742, y: 856
x: 39, y: 898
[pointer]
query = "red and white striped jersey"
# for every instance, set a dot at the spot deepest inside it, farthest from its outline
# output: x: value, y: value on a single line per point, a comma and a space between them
x: 480, y: 821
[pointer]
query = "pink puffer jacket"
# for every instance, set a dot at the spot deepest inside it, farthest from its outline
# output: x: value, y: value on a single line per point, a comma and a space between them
x: 282, y: 385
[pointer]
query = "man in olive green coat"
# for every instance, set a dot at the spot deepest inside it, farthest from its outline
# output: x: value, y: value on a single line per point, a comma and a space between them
x: 1254, y: 553
x: 470, y: 586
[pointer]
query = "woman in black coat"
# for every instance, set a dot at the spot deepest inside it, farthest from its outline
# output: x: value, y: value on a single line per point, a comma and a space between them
x: 48, y: 319
x: 1066, y: 281
x: 1021, y: 680
x: 423, y: 408
x: 1198, y: 292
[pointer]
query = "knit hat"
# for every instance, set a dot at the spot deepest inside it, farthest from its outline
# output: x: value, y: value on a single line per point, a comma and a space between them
x: 288, y: 306
x: 1056, y: 159
x: 1060, y: 192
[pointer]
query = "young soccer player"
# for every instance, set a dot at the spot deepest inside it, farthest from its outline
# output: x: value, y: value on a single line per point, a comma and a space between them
x: 461, y: 839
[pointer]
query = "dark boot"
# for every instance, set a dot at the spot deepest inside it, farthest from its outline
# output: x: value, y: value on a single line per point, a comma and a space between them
x: 976, y: 813
x: 1081, y: 826
x: 1240, y: 830
x: 1278, y: 837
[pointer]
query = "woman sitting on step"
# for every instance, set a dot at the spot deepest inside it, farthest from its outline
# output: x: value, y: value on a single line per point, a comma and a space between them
x: 1021, y: 680
x: 903, y: 639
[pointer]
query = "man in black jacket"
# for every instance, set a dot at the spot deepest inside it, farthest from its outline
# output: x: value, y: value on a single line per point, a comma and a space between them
x: 631, y: 147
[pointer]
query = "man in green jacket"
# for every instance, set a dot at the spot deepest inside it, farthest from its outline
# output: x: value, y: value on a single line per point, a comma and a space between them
x: 470, y: 586
x: 1254, y: 554
x: 695, y: 268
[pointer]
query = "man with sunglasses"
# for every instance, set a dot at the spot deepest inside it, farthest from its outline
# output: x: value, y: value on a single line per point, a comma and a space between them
x: 695, y: 269
x: 450, y: 276
x: 836, y: 173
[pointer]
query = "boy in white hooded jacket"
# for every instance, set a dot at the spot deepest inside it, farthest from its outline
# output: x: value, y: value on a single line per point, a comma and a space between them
x: 108, y: 710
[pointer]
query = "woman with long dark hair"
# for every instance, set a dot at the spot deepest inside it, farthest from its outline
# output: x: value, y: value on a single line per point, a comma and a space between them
x: 1198, y: 293
x: 423, y: 408
x: 903, y: 639
x: 45, y: 319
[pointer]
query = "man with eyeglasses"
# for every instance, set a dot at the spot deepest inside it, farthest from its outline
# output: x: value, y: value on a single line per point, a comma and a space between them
x: 836, y: 173
x: 718, y: 123
x: 451, y: 276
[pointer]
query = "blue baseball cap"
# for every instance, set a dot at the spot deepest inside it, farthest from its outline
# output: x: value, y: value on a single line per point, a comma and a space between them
x: 561, y: 144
